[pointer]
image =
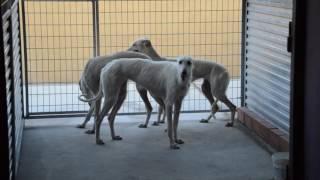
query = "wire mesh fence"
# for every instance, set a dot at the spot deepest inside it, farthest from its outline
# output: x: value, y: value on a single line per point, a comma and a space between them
x: 62, y: 35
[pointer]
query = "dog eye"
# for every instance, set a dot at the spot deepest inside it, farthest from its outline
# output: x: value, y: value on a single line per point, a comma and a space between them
x: 189, y: 63
x: 180, y: 62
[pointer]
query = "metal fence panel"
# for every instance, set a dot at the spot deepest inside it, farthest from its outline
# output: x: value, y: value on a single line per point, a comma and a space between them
x: 59, y: 40
x: 267, y: 62
x: 62, y: 35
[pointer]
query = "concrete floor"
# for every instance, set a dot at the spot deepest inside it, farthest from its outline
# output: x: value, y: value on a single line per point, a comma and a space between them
x: 53, y: 149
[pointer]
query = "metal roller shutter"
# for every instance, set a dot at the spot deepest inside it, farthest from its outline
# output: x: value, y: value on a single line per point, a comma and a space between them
x: 7, y: 40
x: 267, y: 61
x: 11, y: 94
x: 17, y: 76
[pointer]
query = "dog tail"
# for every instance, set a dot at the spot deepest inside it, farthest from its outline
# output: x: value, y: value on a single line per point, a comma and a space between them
x: 82, y: 97
x: 98, y: 96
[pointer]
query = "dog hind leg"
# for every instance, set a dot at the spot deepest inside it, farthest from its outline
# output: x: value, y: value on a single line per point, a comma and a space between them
x: 206, y: 90
x: 97, y: 111
x: 164, y: 114
x: 160, y: 110
x: 115, y: 109
x: 105, y: 109
x: 144, y: 95
x: 232, y: 108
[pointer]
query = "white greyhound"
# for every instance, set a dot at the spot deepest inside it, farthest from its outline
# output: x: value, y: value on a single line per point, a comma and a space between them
x: 167, y: 81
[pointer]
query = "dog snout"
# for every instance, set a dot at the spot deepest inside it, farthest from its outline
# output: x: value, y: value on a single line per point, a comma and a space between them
x: 184, y: 72
x: 183, y: 75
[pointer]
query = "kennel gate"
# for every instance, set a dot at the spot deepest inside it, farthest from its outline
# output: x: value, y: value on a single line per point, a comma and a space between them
x: 62, y: 35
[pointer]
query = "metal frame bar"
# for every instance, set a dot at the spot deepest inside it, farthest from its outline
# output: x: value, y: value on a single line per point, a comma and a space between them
x: 97, y: 27
x: 82, y: 114
x: 20, y: 59
x: 94, y: 26
x: 25, y: 54
x: 243, y: 50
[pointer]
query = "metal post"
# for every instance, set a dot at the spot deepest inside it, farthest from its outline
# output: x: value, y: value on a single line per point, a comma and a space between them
x: 25, y: 54
x: 94, y: 26
x: 97, y: 28
x: 243, y: 49
x: 20, y: 61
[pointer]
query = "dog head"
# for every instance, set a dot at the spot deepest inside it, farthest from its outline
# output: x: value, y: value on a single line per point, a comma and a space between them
x: 185, y: 68
x: 143, y: 45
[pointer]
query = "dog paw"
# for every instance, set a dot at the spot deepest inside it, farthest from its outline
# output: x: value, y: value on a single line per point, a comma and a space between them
x: 229, y: 124
x: 99, y: 142
x: 142, y: 126
x: 179, y: 141
x: 174, y: 146
x: 81, y: 126
x: 117, y: 138
x: 155, y: 124
x: 162, y: 122
x: 89, y: 132
x: 204, y: 121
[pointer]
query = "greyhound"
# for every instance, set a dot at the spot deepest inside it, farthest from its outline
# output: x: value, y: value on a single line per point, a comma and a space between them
x: 215, y: 83
x: 89, y: 80
x: 168, y: 82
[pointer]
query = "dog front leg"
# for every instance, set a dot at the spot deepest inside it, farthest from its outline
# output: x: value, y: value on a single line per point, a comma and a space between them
x: 177, y: 107
x: 173, y: 145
